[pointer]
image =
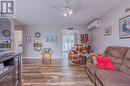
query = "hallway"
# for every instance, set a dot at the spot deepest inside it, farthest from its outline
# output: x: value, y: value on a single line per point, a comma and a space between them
x: 59, y: 73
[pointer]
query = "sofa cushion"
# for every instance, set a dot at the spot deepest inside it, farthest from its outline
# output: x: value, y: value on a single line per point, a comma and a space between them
x: 113, y: 78
x: 126, y: 64
x: 92, y: 78
x: 106, y: 51
x: 106, y: 64
x: 94, y: 59
x: 91, y: 68
x: 117, y: 55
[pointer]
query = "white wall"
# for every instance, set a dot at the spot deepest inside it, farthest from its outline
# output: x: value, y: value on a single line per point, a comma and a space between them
x: 99, y: 41
x: 56, y: 46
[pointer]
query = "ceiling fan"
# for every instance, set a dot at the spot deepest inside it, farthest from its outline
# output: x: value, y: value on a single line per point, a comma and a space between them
x: 66, y: 9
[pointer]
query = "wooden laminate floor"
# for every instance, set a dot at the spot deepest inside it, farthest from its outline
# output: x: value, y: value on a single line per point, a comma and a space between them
x: 57, y: 73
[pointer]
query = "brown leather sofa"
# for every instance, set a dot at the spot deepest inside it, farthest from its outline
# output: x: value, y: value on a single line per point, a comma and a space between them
x: 120, y: 57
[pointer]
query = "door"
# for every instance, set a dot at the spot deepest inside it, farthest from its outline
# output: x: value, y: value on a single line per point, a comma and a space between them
x: 18, y: 42
x: 68, y: 42
x: 70, y: 38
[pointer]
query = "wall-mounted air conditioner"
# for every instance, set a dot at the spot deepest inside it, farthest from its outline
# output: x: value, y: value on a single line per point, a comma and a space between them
x: 94, y: 24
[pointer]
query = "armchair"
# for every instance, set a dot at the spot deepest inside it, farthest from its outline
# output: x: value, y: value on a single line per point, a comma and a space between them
x: 46, y: 52
x: 77, y: 56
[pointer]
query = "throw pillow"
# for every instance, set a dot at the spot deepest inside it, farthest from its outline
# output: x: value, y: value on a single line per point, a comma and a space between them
x: 94, y: 59
x: 105, y: 63
x: 100, y: 64
x: 109, y: 65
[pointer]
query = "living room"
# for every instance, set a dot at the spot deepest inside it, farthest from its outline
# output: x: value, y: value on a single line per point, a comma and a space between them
x: 55, y: 27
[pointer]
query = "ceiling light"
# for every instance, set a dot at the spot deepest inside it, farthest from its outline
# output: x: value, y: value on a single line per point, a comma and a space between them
x: 70, y: 12
x: 67, y: 12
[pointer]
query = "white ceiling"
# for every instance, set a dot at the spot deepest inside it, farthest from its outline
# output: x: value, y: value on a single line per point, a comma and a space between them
x: 40, y: 12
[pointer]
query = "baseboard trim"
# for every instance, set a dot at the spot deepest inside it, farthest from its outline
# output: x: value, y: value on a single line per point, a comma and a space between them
x: 40, y: 57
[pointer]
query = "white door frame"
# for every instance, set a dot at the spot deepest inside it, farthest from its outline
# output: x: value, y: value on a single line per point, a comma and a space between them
x: 18, y: 46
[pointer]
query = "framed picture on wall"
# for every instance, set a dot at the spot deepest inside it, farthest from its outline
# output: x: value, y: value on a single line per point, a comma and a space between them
x: 51, y: 38
x: 124, y: 27
x: 107, y: 30
x: 28, y: 39
x: 37, y: 34
x: 6, y: 33
x: 84, y: 38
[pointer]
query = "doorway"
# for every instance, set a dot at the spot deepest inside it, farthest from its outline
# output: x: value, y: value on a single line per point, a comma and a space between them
x: 18, y: 48
x: 70, y: 39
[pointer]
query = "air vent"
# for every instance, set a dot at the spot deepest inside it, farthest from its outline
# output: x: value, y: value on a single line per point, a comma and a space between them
x: 94, y: 24
x: 70, y: 28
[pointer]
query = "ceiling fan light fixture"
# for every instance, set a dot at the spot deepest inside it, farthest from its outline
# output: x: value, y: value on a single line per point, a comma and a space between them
x: 70, y: 12
x: 66, y: 9
x: 67, y: 12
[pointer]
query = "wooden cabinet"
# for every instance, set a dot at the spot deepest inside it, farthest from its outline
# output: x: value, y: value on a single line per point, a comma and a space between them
x: 11, y: 75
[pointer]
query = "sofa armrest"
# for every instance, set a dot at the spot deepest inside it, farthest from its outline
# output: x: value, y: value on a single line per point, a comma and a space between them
x: 92, y: 58
x: 89, y: 57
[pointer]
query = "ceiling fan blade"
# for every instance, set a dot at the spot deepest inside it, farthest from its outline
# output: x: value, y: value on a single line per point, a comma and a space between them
x: 60, y: 8
x: 56, y: 7
x: 66, y: 9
